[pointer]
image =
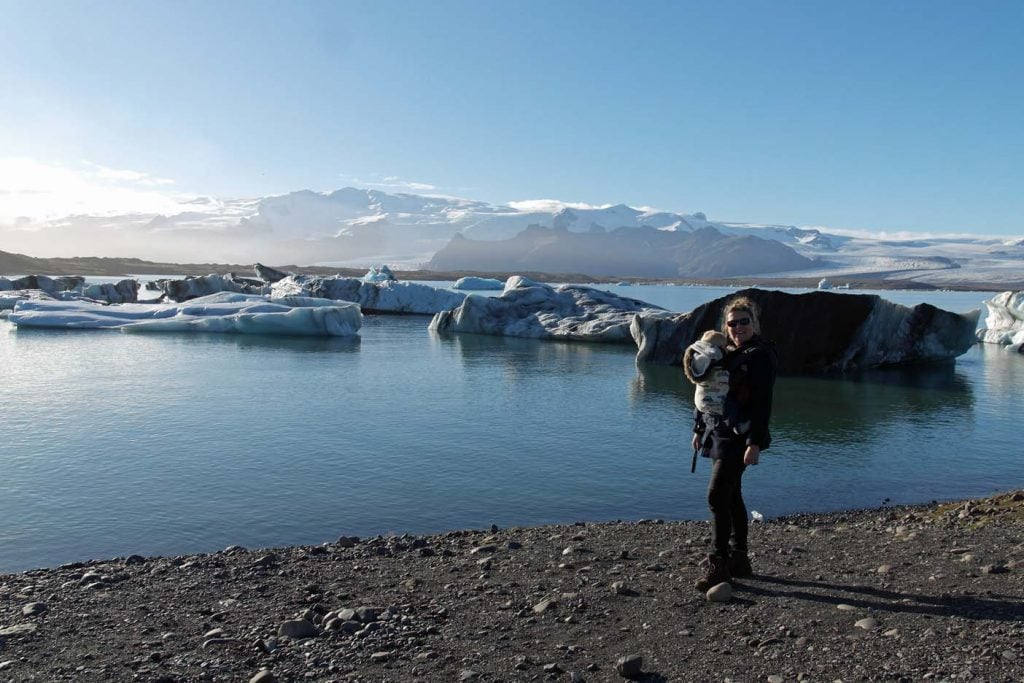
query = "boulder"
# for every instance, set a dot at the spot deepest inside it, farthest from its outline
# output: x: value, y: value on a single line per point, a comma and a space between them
x: 820, y: 331
x: 540, y: 311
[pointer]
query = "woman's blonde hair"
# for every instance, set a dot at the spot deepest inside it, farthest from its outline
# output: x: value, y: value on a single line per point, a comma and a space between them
x: 745, y: 305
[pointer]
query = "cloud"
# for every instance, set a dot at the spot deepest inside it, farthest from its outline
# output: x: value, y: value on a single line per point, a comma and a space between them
x: 137, y: 177
x: 390, y: 182
x: 41, y: 191
x: 552, y: 205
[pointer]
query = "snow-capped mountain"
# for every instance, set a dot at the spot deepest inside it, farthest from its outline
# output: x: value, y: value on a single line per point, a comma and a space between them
x: 355, y: 227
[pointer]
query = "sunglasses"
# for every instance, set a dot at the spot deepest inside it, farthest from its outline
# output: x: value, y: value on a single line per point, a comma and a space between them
x: 737, y: 322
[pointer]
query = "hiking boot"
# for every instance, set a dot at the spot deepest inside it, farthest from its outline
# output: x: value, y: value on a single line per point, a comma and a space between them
x: 718, y: 572
x: 739, y: 565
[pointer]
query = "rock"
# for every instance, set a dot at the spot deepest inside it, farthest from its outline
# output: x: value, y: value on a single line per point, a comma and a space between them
x: 18, y: 630
x: 994, y: 569
x: 381, y: 656
x: 217, y: 642
x: 720, y: 593
x: 34, y: 608
x: 268, y: 560
x: 843, y: 607
x: 544, y: 605
x: 468, y: 675
x: 865, y: 331
x: 630, y: 666
x: 620, y: 588
x: 775, y: 679
x: 297, y: 628
x: 552, y: 668
x: 7, y: 665
x: 367, y: 614
x: 868, y: 623
x: 264, y: 676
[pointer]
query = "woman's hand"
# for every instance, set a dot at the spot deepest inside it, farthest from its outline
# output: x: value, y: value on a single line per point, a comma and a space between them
x: 696, y: 441
x: 751, y: 455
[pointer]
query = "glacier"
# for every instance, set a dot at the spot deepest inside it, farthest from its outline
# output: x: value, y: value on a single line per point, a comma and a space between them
x: 1005, y: 321
x: 820, y: 331
x: 540, y: 311
x: 223, y: 312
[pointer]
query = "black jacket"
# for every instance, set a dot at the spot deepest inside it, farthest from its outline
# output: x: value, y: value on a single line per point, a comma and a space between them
x: 752, y: 369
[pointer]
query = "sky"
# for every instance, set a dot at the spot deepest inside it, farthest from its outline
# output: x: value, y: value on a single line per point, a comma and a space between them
x: 869, y: 115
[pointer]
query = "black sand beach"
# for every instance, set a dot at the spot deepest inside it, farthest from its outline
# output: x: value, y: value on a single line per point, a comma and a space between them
x: 904, y: 594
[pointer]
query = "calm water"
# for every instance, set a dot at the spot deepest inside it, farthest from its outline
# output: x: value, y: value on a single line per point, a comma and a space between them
x: 115, y: 444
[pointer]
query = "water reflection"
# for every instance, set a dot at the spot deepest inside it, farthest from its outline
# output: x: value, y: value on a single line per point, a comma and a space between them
x: 813, y: 409
x: 532, y: 356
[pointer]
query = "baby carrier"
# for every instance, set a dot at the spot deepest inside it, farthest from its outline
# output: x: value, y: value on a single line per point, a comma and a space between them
x: 702, y: 363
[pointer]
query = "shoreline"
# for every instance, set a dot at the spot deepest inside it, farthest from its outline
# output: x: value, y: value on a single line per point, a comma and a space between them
x: 893, y: 593
x: 18, y: 264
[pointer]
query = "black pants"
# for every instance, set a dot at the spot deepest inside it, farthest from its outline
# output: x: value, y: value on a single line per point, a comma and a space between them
x: 725, y: 500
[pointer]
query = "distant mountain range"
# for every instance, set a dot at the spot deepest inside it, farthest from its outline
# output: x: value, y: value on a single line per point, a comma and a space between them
x: 643, y: 251
x: 354, y: 227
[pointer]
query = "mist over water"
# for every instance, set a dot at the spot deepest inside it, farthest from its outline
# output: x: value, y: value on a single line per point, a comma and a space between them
x: 116, y: 444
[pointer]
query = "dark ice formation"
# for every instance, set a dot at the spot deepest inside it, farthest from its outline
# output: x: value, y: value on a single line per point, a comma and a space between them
x: 821, y: 331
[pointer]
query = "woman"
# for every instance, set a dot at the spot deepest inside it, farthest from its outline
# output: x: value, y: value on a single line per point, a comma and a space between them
x: 736, y: 439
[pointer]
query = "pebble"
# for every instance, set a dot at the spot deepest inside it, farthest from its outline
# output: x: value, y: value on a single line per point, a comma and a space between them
x: 775, y: 678
x: 34, y: 608
x: 468, y: 675
x: 264, y: 676
x: 297, y: 628
x: 868, y: 623
x: 846, y: 608
x: 629, y: 666
x: 720, y: 593
x: 544, y: 605
x: 380, y: 656
x: 6, y: 665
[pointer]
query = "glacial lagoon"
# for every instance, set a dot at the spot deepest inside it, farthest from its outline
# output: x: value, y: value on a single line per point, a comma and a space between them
x: 116, y: 444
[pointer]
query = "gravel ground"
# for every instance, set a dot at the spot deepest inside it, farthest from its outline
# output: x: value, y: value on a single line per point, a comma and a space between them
x: 897, y: 594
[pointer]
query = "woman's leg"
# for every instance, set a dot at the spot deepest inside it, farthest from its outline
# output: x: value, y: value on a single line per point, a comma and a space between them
x: 738, y: 513
x: 723, y: 493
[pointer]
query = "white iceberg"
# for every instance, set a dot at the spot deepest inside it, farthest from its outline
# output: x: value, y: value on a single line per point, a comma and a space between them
x: 1005, y: 321
x: 478, y: 284
x: 373, y: 297
x: 382, y: 274
x: 224, y: 312
x: 539, y: 311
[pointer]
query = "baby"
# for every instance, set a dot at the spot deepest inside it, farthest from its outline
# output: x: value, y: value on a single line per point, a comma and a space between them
x: 701, y: 363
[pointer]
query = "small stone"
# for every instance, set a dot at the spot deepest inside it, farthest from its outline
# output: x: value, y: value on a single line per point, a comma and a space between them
x: 775, y: 678
x: 552, y: 668
x: 620, y: 588
x: 7, y: 665
x: 468, y: 675
x: 1009, y: 655
x: 264, y: 676
x: 215, y: 633
x: 846, y: 608
x: 297, y: 628
x: 380, y: 656
x: 217, y: 642
x: 630, y: 666
x: 18, y: 630
x: 720, y: 593
x: 34, y: 608
x: 884, y: 569
x: 892, y: 633
x: 576, y: 677
x: 993, y: 569
x: 268, y: 560
x: 367, y: 614
x: 968, y: 557
x: 544, y: 605
x: 868, y: 623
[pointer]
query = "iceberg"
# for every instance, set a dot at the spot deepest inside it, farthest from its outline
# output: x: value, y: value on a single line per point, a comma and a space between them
x: 478, y: 284
x: 388, y: 296
x: 821, y: 331
x: 224, y: 312
x: 540, y: 311
x: 382, y: 274
x: 1005, y: 321
x: 204, y: 285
